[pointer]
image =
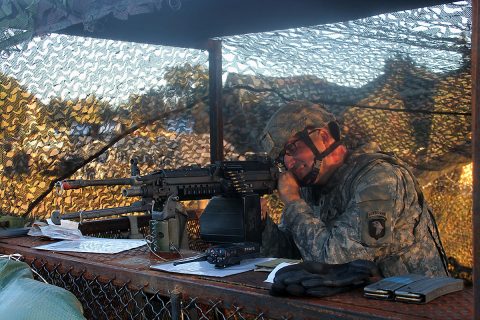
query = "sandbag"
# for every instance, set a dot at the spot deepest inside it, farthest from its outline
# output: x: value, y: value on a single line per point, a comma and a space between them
x: 23, y: 298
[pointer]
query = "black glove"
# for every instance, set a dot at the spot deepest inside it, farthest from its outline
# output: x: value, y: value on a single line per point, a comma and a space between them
x: 321, y: 279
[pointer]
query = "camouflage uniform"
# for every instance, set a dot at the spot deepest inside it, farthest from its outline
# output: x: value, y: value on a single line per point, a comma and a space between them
x: 371, y: 208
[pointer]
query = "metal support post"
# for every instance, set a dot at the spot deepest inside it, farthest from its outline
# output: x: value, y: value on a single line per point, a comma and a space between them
x: 476, y: 155
x: 215, y: 98
x: 176, y: 306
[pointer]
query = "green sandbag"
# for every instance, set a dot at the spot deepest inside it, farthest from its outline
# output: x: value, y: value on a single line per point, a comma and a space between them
x: 22, y: 297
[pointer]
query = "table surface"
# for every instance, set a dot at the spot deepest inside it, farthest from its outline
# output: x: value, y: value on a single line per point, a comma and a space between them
x: 246, y: 289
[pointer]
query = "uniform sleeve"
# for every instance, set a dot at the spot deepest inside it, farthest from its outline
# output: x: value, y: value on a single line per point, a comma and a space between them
x: 365, y: 226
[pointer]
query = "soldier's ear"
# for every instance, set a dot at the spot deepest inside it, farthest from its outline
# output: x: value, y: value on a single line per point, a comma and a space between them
x: 324, y: 135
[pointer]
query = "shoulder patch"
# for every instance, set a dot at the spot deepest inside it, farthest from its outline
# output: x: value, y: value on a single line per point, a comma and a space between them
x: 376, y: 224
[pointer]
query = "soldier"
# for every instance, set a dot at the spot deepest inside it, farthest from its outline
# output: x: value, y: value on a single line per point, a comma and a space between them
x: 343, y: 205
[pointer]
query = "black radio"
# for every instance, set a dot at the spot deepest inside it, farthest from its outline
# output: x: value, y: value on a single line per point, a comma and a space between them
x: 225, y: 255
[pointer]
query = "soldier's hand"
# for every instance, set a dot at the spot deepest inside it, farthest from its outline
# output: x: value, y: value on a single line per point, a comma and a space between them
x: 288, y: 187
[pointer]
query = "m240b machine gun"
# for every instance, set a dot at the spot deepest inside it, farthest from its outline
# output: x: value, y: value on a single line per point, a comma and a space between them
x: 234, y: 187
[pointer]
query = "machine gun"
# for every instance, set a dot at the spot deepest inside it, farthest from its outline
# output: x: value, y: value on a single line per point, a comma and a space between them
x: 234, y: 187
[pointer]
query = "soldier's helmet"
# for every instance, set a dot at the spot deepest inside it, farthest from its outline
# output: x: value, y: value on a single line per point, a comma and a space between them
x: 292, y: 118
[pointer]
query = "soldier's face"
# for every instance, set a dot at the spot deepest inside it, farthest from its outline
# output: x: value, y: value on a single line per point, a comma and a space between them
x: 298, y: 157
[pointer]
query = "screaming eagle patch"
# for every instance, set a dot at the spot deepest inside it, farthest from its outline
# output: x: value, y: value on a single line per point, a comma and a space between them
x: 376, y: 224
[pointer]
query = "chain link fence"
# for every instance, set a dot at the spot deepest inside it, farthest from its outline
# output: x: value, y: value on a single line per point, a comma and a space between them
x: 108, y: 299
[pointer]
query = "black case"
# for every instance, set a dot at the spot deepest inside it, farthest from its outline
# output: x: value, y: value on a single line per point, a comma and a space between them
x: 232, y: 219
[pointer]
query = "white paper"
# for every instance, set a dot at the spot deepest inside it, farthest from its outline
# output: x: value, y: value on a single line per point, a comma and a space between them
x: 271, y: 275
x: 55, y: 232
x: 69, y: 224
x: 94, y: 245
x: 203, y: 268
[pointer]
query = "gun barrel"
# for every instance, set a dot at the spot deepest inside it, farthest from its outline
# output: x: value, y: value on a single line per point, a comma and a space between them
x: 77, y: 184
x: 135, y: 191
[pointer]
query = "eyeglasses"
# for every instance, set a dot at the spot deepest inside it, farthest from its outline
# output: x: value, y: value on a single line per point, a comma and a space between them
x: 291, y: 148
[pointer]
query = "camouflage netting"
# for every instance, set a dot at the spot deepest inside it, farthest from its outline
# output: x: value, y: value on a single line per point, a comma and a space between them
x: 81, y: 108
